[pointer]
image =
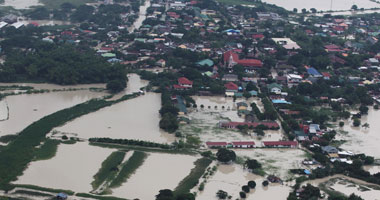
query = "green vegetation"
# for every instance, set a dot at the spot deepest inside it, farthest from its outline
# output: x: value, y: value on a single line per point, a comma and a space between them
x: 15, y: 157
x: 192, y: 179
x: 236, y: 2
x: 7, y: 138
x: 109, y: 169
x: 133, y: 163
x: 44, y: 189
x: 47, y: 150
x: 54, y: 4
x: 86, y: 195
x: 130, y: 142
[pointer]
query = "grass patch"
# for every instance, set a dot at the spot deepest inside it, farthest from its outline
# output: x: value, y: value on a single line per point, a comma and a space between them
x: 47, y: 150
x: 7, y: 138
x: 55, y: 4
x: 192, y: 179
x: 86, y: 195
x: 145, y: 149
x: 109, y: 168
x: 32, y: 193
x: 44, y: 189
x: 128, y: 168
x: 15, y: 157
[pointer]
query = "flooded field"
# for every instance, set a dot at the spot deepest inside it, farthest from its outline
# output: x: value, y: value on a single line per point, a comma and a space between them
x: 137, y: 118
x: 322, y: 5
x: 72, y: 168
x: 361, y: 139
x: 204, y: 122
x: 48, y: 86
x: 21, y: 4
x: 159, y: 171
x: 22, y: 114
x: 231, y: 178
x: 276, y: 161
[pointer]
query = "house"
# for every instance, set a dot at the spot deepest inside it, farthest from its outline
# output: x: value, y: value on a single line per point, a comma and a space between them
x: 205, y: 62
x: 161, y: 63
x: 184, y: 82
x: 274, y: 88
x: 231, y: 59
x: 314, y: 128
x: 231, y: 87
x: 181, y: 105
x: 301, y: 136
x: 280, y: 144
x: 242, y: 105
x: 253, y: 93
x: 216, y: 144
x: 61, y: 196
x: 294, y: 78
x: 313, y: 72
x: 234, y: 125
x: 329, y: 150
x: 287, y: 43
x: 230, y: 77
x: 245, y: 144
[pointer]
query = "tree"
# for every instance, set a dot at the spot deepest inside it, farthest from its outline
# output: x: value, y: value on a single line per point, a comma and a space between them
x: 365, y: 125
x: 252, y: 164
x: 115, y: 86
x: 225, y: 155
x: 356, y: 122
x: 222, y: 194
x: 304, y: 10
x: 310, y: 192
x: 242, y: 195
x: 354, y: 7
x: 341, y: 123
x: 265, y: 183
x: 313, y: 10
x: 245, y: 188
x: 165, y: 194
x: 252, y: 184
x: 363, y: 109
x: 295, y: 10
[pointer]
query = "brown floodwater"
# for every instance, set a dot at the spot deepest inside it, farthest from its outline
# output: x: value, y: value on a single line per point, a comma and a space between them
x: 133, y: 85
x: 360, y: 139
x: 48, y: 86
x: 231, y: 178
x: 159, y: 171
x: 136, y: 118
x: 72, y: 168
x: 142, y: 16
x: 26, y: 108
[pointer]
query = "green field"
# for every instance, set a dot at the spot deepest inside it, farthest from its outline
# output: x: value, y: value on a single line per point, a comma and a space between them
x: 47, y: 150
x: 109, y: 169
x: 134, y: 162
x: 54, y: 4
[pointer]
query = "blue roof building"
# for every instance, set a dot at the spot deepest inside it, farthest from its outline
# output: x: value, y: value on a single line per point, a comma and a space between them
x: 313, y: 72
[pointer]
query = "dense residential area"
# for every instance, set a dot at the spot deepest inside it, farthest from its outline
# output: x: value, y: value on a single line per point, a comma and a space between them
x: 185, y: 100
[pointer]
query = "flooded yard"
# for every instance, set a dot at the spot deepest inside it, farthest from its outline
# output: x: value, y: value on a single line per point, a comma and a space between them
x: 276, y: 161
x: 322, y: 5
x: 231, y: 178
x: 360, y: 139
x: 159, y: 171
x: 204, y: 121
x: 72, y: 168
x: 26, y: 108
x: 137, y: 118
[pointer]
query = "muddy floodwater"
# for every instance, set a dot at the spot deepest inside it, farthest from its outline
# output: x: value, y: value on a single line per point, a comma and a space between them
x: 231, y: 178
x: 134, y: 84
x: 159, y: 171
x: 136, y: 118
x: 27, y: 108
x: 3, y: 110
x: 48, y: 86
x: 21, y: 4
x: 360, y: 139
x: 322, y: 5
x: 72, y: 168
x: 142, y: 16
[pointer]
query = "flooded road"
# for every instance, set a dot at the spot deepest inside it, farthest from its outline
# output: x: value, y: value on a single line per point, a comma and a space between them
x: 72, y: 168
x: 137, y: 118
x: 159, y: 171
x: 21, y: 4
x: 142, y: 16
x: 360, y: 139
x: 27, y: 108
x: 231, y: 178
x: 322, y: 5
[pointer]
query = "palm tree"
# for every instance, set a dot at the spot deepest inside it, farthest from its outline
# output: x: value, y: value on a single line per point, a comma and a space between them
x: 365, y: 125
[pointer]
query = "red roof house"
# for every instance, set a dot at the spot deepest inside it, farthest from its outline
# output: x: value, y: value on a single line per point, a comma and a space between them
x: 231, y: 87
x: 183, y: 81
x: 216, y: 144
x: 246, y: 144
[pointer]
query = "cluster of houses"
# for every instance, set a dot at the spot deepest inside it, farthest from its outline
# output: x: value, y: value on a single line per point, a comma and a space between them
x: 252, y: 144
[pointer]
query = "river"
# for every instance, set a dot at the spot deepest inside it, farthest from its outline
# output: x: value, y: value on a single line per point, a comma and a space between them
x: 322, y: 5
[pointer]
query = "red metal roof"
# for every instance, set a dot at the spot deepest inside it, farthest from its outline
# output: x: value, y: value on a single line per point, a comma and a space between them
x: 216, y: 143
x: 282, y: 143
x: 231, y: 86
x: 250, y: 63
x: 184, y: 81
x: 243, y: 143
